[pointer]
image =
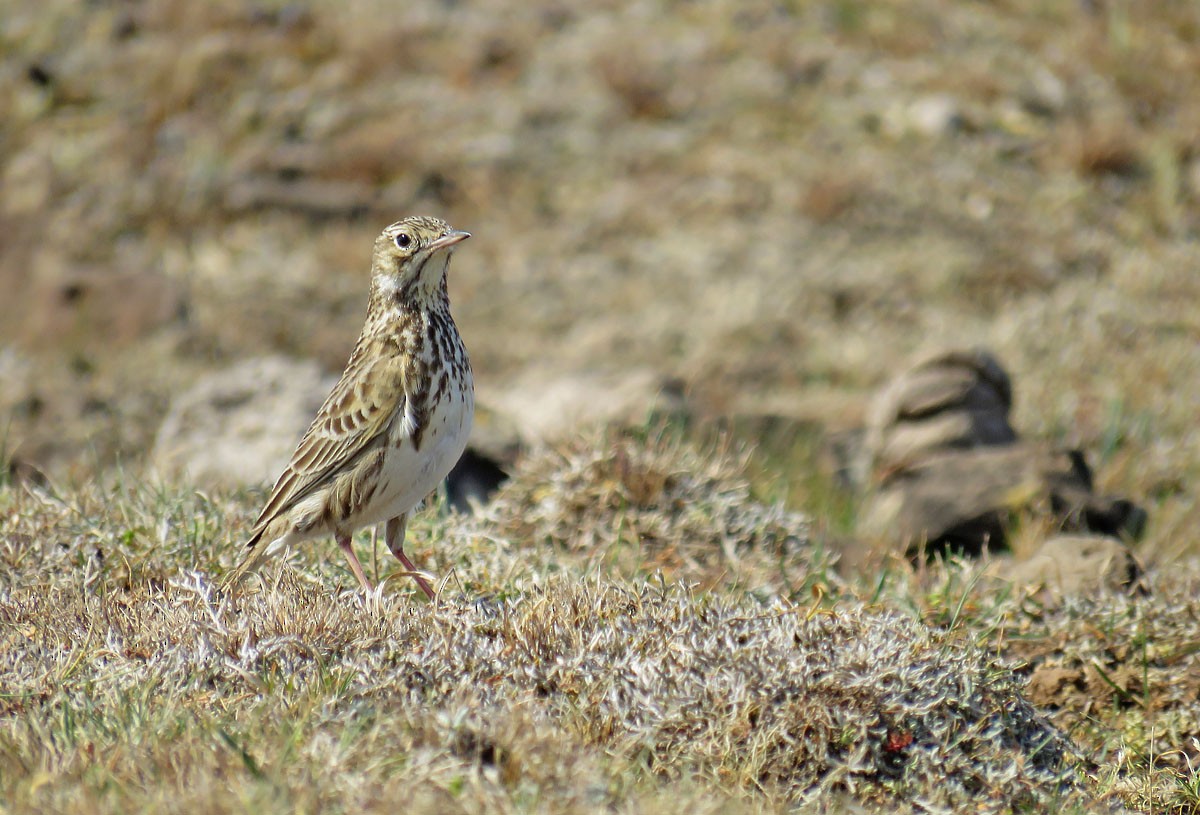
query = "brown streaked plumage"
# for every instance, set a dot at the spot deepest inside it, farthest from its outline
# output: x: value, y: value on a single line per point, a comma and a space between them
x: 396, y: 421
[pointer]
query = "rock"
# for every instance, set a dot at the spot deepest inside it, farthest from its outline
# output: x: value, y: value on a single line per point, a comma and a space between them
x: 1044, y: 94
x: 943, y: 468
x: 962, y: 501
x: 1074, y: 502
x: 954, y: 400
x: 931, y: 116
x: 957, y: 500
x: 474, y: 480
x: 238, y: 426
x: 84, y: 308
x: 540, y: 408
x: 1073, y: 564
x: 935, y: 115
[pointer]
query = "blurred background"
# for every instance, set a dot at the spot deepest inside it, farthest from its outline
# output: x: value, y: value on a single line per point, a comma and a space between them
x: 770, y: 207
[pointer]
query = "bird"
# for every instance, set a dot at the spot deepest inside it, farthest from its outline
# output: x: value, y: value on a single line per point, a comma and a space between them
x: 395, y: 423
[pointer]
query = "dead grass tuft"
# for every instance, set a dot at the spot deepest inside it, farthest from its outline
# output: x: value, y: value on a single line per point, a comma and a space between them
x: 635, y: 503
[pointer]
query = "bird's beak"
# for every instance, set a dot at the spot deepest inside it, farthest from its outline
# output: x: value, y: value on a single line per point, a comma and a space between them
x: 449, y: 239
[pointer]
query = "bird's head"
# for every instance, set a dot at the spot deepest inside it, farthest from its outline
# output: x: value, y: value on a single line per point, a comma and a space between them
x: 411, y: 258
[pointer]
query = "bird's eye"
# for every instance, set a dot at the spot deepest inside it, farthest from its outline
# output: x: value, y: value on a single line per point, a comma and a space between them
x: 403, y: 241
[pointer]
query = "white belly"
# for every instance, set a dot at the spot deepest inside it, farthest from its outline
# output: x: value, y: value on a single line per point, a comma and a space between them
x: 409, y: 474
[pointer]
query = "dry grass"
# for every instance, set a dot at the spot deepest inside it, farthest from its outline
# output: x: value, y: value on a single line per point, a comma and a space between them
x: 638, y: 502
x: 564, y: 669
x: 131, y: 682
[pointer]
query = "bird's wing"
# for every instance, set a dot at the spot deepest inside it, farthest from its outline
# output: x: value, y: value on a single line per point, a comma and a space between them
x: 356, y: 412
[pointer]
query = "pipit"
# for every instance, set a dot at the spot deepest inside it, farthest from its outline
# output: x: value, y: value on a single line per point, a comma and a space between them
x: 396, y: 421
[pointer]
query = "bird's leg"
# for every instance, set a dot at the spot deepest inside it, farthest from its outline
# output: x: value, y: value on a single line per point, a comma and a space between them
x: 355, y: 566
x: 395, y: 541
x: 375, y: 551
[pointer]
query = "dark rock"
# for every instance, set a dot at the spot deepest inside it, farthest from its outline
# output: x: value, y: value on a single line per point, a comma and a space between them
x: 473, y: 481
x: 944, y: 470
x: 955, y: 400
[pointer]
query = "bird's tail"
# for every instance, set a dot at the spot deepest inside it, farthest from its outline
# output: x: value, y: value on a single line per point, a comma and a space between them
x: 253, y: 554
